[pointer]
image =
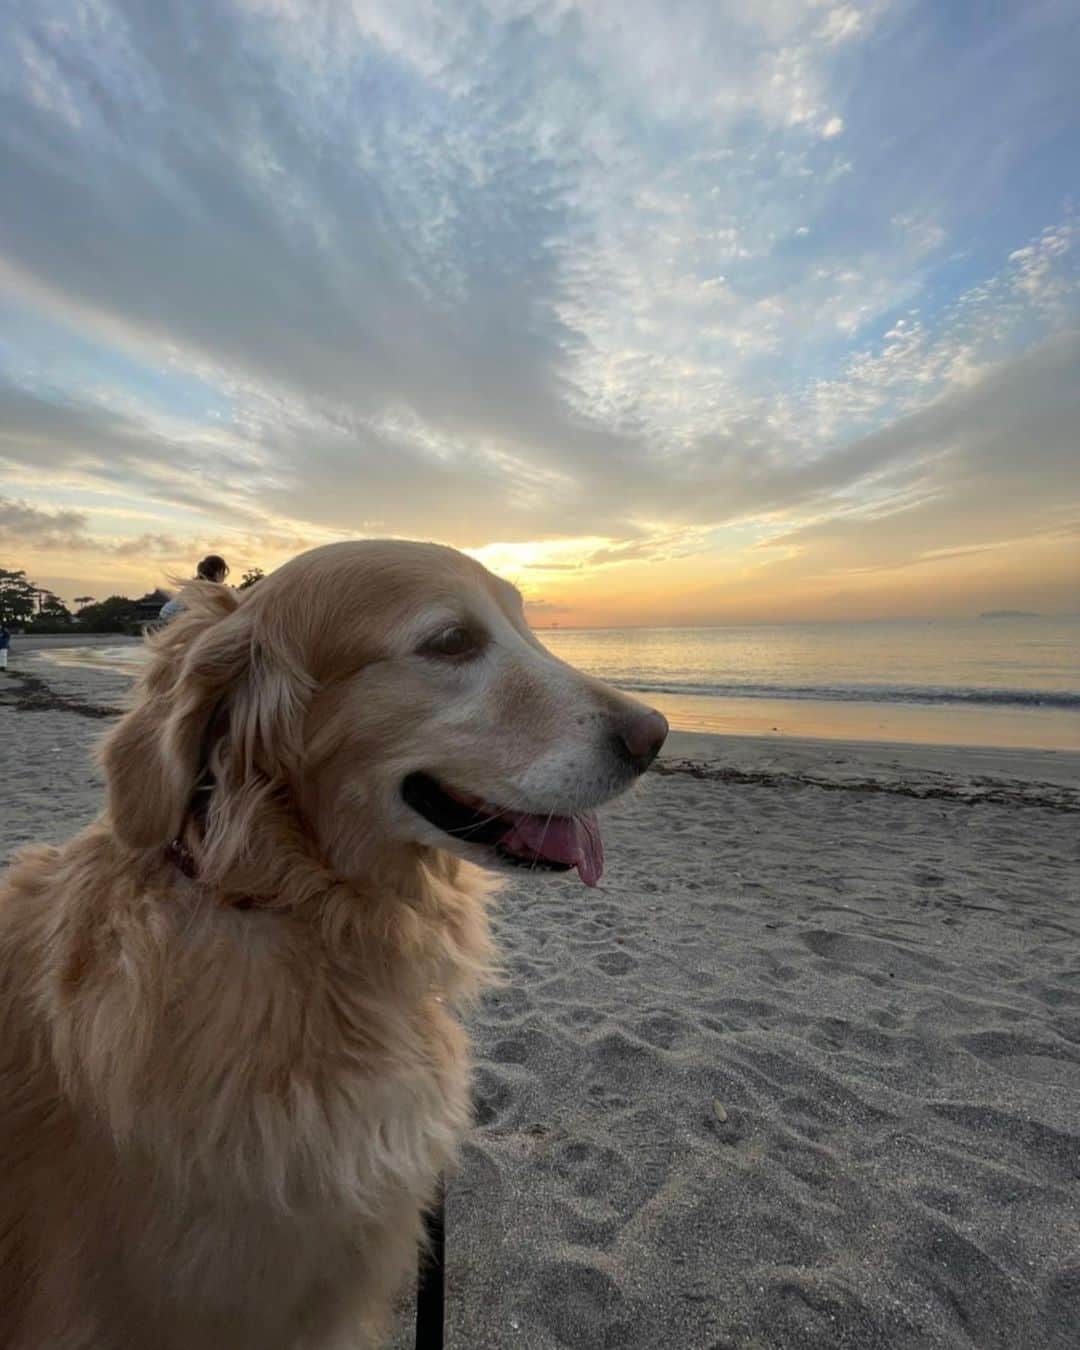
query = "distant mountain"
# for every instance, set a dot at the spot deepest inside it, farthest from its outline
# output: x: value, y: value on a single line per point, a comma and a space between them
x: 1009, y: 614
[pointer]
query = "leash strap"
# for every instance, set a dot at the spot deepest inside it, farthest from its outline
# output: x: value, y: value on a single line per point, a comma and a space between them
x: 431, y: 1278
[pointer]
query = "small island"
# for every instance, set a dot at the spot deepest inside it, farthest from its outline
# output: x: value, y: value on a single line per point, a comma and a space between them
x: 1009, y: 614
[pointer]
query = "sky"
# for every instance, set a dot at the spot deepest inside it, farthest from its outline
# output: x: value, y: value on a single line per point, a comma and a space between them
x: 671, y: 311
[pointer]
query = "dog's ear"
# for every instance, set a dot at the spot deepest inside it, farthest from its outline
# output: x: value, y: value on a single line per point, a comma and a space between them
x: 154, y: 757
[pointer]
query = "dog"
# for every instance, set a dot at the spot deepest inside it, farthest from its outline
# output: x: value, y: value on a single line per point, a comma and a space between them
x: 231, y: 1063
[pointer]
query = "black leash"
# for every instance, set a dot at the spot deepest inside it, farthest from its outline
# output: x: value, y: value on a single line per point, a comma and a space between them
x: 431, y: 1278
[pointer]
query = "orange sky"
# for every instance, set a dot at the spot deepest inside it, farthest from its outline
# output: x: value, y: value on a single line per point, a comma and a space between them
x: 757, y: 584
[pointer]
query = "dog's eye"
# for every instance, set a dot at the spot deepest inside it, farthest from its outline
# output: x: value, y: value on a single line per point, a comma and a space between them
x: 457, y: 642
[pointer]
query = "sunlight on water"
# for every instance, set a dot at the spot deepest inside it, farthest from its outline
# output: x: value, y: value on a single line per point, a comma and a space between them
x: 1005, y: 683
x: 125, y: 658
x: 1028, y: 661
x: 973, y: 682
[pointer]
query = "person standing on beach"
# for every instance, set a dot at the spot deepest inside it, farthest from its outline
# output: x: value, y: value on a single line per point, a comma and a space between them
x: 5, y: 643
x: 212, y: 568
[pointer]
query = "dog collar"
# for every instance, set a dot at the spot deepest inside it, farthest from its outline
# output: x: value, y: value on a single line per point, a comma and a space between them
x: 181, y: 857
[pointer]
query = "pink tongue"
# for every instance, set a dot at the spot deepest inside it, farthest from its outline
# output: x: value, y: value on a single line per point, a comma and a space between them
x: 574, y: 840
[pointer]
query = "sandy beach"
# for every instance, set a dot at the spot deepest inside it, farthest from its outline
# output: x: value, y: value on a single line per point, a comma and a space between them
x: 802, y: 1074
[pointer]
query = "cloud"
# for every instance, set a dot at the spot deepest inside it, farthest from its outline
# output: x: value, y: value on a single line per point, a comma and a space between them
x: 24, y: 526
x: 984, y: 466
x: 1036, y: 291
x: 151, y: 545
x: 295, y: 242
x: 615, y: 274
x: 344, y: 474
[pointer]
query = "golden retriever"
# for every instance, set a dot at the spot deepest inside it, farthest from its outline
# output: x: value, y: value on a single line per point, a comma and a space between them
x: 230, y: 1060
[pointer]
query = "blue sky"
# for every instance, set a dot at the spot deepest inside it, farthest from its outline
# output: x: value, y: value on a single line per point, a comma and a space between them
x: 673, y: 311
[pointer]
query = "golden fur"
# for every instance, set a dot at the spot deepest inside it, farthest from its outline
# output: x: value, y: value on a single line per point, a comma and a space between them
x: 226, y: 1099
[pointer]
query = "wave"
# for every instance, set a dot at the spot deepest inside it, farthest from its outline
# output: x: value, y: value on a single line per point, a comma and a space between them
x: 129, y: 657
x: 126, y: 659
x: 865, y: 693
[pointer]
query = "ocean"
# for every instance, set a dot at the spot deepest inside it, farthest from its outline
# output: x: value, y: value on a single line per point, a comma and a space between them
x: 996, y: 682
x: 992, y: 682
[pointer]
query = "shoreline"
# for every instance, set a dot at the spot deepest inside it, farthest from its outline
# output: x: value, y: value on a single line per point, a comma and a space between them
x: 97, y: 689
x: 1002, y: 728
x: 975, y: 772
x: 888, y: 724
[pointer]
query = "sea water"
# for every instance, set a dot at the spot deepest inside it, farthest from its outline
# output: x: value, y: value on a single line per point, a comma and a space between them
x: 1008, y: 682
x: 994, y: 682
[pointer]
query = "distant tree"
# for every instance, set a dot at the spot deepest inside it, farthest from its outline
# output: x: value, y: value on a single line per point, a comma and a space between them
x: 17, y: 597
x: 53, y: 615
x: 117, y: 614
x: 251, y: 576
x: 81, y: 600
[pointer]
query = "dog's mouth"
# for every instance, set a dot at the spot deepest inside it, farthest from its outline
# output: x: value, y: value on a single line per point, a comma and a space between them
x: 544, y: 842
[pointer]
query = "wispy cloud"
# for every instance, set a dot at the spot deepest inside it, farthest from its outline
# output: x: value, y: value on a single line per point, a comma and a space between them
x: 23, y: 525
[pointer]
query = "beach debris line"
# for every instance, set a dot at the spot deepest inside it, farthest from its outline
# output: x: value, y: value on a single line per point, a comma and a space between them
x: 33, y: 694
x: 981, y: 792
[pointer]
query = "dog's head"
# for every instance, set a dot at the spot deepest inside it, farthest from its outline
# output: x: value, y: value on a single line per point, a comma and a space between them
x: 393, y: 695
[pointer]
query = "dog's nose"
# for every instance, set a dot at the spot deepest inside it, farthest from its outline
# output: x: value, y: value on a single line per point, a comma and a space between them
x: 642, y: 736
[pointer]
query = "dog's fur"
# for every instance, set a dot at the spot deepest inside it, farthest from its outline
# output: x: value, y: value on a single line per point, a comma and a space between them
x: 226, y: 1098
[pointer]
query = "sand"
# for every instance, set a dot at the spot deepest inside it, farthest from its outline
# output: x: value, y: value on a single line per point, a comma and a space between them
x: 803, y: 1072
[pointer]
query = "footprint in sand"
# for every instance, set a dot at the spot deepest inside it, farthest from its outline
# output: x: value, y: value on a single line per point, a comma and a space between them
x: 581, y: 1305
x: 663, y: 1030
x: 492, y: 1096
x: 528, y: 1047
x: 592, y: 1170
x: 505, y: 1004
x: 1039, y: 1061
x: 615, y: 963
